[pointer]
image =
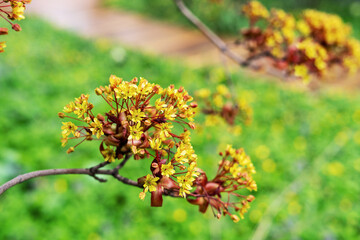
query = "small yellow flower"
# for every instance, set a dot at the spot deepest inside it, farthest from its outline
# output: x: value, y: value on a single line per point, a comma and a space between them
x: 108, y: 154
x: 18, y: 9
x: 68, y: 128
x: 2, y: 46
x: 136, y: 115
x: 96, y: 128
x: 167, y: 169
x: 164, y: 130
x: 155, y: 143
x: 150, y: 183
x: 170, y: 113
x: 135, y: 131
x: 302, y: 72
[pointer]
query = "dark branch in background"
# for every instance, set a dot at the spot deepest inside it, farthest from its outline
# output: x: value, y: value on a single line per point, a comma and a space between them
x: 220, y: 44
x: 93, y: 171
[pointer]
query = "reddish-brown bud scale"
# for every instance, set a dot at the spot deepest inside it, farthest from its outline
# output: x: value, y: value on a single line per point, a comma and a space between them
x: 3, y: 31
x: 156, y: 197
x: 100, y: 117
x: 212, y: 188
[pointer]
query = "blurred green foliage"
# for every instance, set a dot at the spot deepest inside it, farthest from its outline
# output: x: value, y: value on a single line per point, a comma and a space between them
x: 223, y: 16
x: 314, y: 137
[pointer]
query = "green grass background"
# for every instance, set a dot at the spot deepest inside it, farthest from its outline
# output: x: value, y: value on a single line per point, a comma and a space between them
x: 312, y: 135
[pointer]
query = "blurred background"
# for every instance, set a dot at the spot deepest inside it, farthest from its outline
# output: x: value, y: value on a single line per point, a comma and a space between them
x: 304, y: 144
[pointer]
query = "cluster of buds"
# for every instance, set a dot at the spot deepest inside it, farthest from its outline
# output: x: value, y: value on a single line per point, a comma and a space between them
x: 233, y: 176
x: 11, y: 10
x: 304, y: 47
x: 139, y: 122
x: 221, y: 106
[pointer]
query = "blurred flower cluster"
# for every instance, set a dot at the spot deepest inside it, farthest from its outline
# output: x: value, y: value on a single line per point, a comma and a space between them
x: 11, y: 10
x: 310, y: 45
x: 222, y: 106
x: 147, y: 121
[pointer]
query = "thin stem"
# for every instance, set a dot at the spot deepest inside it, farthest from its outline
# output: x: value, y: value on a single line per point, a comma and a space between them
x: 215, y: 39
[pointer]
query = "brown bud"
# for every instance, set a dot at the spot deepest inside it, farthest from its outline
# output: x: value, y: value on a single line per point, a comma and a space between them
x: 135, y: 80
x: 147, y: 122
x: 16, y: 27
x: 90, y: 106
x: 70, y: 150
x: 250, y: 198
x: 192, y: 125
x: 193, y: 104
x: 61, y: 115
x: 100, y: 117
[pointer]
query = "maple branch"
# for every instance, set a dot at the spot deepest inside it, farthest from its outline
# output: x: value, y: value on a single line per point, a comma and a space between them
x: 87, y: 171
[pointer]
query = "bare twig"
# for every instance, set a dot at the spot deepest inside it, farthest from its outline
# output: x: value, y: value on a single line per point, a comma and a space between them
x: 48, y: 172
x: 97, y: 167
x: 215, y: 39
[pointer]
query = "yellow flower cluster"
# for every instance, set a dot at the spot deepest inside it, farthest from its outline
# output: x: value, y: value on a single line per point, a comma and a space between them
x: 131, y: 119
x: 140, y: 122
x: 235, y: 173
x: 18, y: 9
x: 239, y: 166
x: 314, y: 54
x: 308, y: 46
x: 285, y: 22
x: 255, y: 10
x: 327, y: 27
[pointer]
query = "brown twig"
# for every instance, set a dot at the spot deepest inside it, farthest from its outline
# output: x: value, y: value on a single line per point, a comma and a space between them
x: 215, y: 39
x: 48, y: 172
x: 86, y: 171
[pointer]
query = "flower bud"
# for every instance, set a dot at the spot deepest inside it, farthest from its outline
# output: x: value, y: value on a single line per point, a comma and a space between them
x: 250, y: 198
x: 100, y: 117
x: 235, y: 218
x: 98, y: 91
x: 61, y: 115
x: 193, y: 104
x: 70, y: 150
x: 16, y: 27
